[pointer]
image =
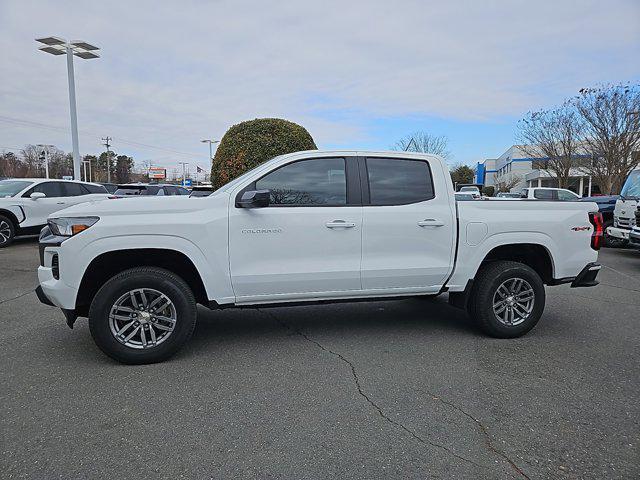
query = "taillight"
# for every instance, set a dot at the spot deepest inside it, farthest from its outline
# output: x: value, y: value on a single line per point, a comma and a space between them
x: 598, y: 229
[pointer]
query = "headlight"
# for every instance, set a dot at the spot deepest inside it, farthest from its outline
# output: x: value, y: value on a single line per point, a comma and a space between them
x: 70, y: 226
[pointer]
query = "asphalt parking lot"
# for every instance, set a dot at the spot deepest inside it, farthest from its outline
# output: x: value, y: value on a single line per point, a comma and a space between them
x: 396, y: 389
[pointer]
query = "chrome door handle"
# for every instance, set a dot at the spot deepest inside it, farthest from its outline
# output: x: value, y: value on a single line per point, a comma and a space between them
x: 430, y: 222
x: 340, y: 224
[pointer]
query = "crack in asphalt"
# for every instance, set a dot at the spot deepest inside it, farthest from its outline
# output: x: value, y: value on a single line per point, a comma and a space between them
x: 368, y: 399
x: 622, y: 288
x: 483, y: 429
x: 17, y: 297
x: 622, y: 273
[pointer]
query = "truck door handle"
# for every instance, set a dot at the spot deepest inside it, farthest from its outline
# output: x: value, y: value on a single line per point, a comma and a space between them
x: 430, y: 222
x: 340, y: 224
x: 61, y: 203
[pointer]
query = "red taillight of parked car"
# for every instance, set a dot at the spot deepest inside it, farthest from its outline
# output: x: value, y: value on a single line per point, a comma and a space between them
x: 598, y: 230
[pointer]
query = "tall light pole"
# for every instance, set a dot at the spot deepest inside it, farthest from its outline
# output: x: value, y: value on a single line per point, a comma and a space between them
x: 81, y: 49
x: 210, y: 142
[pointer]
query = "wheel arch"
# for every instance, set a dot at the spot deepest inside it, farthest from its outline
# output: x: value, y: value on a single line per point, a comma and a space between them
x: 11, y: 216
x: 534, y: 255
x: 110, y: 263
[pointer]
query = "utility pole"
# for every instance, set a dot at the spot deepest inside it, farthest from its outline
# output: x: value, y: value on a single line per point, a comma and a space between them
x: 44, y: 155
x: 184, y: 164
x: 106, y: 144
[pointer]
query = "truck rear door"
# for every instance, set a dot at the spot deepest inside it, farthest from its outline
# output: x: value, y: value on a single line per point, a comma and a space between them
x: 409, y: 226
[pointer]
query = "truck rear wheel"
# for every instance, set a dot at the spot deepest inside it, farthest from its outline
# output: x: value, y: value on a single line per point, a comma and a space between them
x: 142, y: 315
x: 7, y: 231
x: 507, y: 299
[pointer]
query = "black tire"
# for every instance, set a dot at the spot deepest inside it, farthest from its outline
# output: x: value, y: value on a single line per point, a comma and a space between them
x: 7, y: 231
x: 158, y: 279
x: 481, y: 302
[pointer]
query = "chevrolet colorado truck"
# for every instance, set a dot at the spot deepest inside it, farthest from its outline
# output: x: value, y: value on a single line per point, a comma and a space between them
x: 309, y: 227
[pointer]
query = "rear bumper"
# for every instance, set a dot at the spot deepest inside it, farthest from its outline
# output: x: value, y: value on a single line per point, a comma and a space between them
x: 587, y: 277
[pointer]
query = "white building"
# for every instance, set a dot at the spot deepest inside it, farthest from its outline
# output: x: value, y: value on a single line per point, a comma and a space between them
x: 515, y: 165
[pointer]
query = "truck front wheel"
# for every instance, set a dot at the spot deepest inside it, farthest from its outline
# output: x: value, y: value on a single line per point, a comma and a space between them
x: 507, y: 299
x: 142, y: 315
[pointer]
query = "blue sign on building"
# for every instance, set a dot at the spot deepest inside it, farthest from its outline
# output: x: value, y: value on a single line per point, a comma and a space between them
x: 186, y: 182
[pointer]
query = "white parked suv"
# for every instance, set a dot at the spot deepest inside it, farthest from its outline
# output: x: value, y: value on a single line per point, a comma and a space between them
x: 547, y: 193
x: 309, y: 227
x: 25, y: 203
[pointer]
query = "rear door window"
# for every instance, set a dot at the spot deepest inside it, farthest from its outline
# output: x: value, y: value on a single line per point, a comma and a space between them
x: 73, y: 189
x: 396, y: 181
x: 542, y: 194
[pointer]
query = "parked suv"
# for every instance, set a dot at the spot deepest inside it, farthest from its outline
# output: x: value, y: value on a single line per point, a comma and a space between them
x: 546, y: 193
x: 150, y: 190
x: 25, y: 203
x: 310, y: 227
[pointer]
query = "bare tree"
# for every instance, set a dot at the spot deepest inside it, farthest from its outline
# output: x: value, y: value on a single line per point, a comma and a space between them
x: 507, y: 184
x: 613, y: 132
x: 425, y: 143
x: 556, y: 135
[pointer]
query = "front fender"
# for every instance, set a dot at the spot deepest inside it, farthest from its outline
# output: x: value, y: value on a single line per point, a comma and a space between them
x: 213, y: 272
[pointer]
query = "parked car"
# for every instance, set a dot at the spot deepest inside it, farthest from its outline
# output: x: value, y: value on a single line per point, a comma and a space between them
x: 624, y: 218
x: 110, y: 187
x: 25, y: 203
x: 508, y: 195
x: 465, y: 196
x: 546, y: 193
x: 471, y: 190
x: 201, y: 191
x: 606, y: 205
x: 310, y: 227
x: 147, y: 189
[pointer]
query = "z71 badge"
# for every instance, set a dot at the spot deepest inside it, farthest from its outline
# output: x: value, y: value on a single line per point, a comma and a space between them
x: 262, y: 230
x: 580, y: 229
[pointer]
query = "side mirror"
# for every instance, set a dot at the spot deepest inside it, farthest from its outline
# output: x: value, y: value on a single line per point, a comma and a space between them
x: 254, y: 199
x: 37, y: 195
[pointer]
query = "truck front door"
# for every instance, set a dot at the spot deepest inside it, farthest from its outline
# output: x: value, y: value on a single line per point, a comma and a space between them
x: 307, y: 242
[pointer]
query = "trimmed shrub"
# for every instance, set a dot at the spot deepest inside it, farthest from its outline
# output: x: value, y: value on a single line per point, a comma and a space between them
x: 253, y: 142
x: 488, y: 191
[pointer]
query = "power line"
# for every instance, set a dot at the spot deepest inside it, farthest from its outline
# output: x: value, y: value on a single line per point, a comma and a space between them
x: 29, y: 123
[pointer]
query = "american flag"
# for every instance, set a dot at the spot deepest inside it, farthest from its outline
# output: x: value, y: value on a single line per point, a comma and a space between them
x: 199, y: 169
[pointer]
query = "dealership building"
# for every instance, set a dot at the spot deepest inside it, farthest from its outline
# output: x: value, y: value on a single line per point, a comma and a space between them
x: 515, y: 165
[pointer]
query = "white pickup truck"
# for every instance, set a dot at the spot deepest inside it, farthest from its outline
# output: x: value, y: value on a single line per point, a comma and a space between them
x: 310, y: 227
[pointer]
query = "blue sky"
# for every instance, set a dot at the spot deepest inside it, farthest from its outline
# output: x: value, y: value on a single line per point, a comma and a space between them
x: 357, y: 75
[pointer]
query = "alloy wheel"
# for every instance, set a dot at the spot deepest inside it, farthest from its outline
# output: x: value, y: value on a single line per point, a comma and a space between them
x: 5, y: 231
x: 142, y: 318
x: 513, y: 301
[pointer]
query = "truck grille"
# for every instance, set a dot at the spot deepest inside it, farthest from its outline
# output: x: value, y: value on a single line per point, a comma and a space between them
x: 626, y: 222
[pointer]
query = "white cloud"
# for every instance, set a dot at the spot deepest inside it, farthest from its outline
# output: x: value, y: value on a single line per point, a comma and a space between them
x: 173, y: 73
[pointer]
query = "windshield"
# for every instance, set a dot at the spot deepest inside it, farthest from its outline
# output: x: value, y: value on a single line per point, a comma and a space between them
x: 201, y: 193
x: 9, y: 188
x: 631, y: 188
x: 128, y: 191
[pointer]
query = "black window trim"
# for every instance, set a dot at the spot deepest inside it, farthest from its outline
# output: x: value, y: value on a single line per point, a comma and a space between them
x: 364, y: 180
x: 352, y: 177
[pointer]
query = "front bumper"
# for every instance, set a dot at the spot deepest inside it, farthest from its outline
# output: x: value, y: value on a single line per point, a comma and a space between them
x: 618, y: 232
